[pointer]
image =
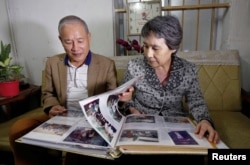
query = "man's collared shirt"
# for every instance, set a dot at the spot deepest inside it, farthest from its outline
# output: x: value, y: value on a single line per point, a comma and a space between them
x: 77, y: 83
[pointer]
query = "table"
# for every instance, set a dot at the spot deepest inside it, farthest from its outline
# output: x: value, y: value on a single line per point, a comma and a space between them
x: 28, y: 98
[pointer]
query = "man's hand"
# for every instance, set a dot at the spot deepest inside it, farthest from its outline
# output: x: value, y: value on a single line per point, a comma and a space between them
x: 57, y: 110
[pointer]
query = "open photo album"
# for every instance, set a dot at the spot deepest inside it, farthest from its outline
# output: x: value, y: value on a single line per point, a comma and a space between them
x: 99, y: 129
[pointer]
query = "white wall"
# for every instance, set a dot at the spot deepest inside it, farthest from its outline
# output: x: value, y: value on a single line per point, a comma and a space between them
x: 35, y: 29
x: 5, y: 35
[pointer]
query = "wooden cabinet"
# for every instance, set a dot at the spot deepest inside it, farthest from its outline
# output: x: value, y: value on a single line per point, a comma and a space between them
x: 28, y: 98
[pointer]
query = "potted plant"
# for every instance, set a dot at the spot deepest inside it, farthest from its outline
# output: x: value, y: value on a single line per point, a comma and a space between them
x: 10, y: 74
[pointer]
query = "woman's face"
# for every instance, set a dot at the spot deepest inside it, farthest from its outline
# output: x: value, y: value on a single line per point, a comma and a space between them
x: 156, y: 51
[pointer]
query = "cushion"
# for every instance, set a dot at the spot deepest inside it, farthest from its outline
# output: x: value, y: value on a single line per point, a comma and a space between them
x: 233, y: 128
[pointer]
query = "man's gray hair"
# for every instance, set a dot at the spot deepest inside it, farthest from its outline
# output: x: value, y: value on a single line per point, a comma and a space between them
x: 72, y: 19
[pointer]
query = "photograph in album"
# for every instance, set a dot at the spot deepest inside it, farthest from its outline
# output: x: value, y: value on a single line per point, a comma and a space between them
x: 53, y: 128
x: 182, y: 138
x: 84, y: 135
x: 94, y: 114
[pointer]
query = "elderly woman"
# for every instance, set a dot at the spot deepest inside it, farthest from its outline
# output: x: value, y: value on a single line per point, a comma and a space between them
x: 166, y: 79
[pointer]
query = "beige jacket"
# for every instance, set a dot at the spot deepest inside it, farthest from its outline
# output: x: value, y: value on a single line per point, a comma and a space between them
x: 102, y: 77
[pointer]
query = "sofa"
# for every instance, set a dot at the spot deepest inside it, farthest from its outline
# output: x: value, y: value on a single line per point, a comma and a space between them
x: 219, y: 76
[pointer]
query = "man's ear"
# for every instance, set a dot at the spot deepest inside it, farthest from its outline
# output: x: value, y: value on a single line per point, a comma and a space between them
x: 60, y: 38
x: 89, y: 36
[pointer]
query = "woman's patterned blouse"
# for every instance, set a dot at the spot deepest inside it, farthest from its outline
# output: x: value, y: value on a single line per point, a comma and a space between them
x: 151, y: 97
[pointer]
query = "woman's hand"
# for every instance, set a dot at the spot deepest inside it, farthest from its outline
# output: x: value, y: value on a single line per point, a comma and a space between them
x: 127, y: 95
x: 205, y: 129
x: 133, y: 110
x: 57, y: 110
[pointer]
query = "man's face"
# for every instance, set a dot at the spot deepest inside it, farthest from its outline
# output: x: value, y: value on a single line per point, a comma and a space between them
x: 76, y: 42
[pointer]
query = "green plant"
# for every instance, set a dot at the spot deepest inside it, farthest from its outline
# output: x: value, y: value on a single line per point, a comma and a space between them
x: 8, y: 71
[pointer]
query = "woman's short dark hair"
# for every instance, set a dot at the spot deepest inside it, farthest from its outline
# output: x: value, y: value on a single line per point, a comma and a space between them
x: 167, y: 27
